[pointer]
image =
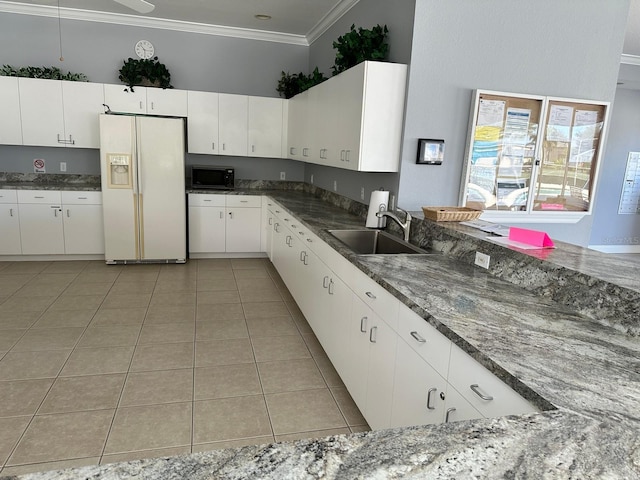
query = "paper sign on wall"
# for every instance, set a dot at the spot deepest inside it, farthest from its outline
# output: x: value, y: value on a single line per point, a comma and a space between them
x: 39, y: 166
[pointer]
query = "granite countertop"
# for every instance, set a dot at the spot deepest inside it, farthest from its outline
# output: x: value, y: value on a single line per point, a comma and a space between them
x: 586, y: 372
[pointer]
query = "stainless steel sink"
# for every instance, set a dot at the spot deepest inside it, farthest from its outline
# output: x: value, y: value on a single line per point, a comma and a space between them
x: 367, y: 242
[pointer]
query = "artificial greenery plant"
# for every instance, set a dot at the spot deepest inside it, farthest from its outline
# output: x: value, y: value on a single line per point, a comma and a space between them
x: 51, y: 73
x: 359, y: 45
x: 290, y: 85
x: 145, y: 72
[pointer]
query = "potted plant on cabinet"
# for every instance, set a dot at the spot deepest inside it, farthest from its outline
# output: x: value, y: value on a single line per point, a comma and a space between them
x: 145, y: 72
x: 50, y: 73
x: 290, y: 85
x: 359, y: 45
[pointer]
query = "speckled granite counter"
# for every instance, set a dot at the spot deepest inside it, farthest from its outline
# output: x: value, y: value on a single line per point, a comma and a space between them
x: 49, y: 181
x: 588, y: 370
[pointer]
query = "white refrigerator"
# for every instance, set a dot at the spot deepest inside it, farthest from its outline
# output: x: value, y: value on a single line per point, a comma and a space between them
x: 143, y: 189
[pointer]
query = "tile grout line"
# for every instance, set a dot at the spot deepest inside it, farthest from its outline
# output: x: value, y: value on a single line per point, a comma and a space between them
x: 126, y: 376
x: 13, y: 450
x: 255, y: 364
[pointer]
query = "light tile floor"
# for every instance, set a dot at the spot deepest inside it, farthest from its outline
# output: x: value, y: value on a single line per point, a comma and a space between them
x: 103, y: 363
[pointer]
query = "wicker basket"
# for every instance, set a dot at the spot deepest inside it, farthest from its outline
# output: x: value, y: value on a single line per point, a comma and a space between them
x: 451, y: 214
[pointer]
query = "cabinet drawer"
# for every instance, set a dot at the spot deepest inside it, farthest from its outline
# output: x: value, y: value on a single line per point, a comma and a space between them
x: 39, y: 196
x: 425, y: 340
x: 82, y: 198
x: 374, y: 295
x: 474, y: 382
x: 8, y: 196
x: 206, y: 200
x: 243, y: 201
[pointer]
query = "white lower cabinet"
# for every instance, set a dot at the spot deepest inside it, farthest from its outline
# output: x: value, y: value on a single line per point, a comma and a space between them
x: 482, y: 389
x: 418, y: 392
x: 243, y: 229
x: 54, y: 222
x: 41, y: 229
x: 9, y: 223
x: 371, y: 364
x: 224, y: 223
x: 82, y: 221
x: 399, y: 370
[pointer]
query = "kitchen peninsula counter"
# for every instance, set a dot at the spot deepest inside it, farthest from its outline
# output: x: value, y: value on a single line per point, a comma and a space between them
x: 585, y: 373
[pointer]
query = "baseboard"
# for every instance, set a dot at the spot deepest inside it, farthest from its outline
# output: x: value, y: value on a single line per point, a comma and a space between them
x: 196, y: 256
x: 616, y: 248
x: 47, y: 258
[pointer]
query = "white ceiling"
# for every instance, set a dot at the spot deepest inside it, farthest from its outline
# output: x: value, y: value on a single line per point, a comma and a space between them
x: 293, y: 18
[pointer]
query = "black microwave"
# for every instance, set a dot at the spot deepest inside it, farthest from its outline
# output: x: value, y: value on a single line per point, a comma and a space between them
x: 206, y: 176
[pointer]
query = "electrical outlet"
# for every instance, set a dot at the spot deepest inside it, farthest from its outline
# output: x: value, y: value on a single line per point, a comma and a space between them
x: 283, y: 175
x: 312, y: 179
x: 335, y: 185
x: 63, y: 166
x: 362, y: 193
x: 482, y: 260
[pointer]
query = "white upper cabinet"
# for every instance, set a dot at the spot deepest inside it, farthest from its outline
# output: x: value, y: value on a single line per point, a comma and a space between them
x: 57, y: 114
x: 166, y: 101
x: 265, y: 126
x: 82, y: 105
x: 41, y: 107
x: 353, y: 120
x: 232, y: 129
x: 202, y: 122
x: 298, y: 132
x: 121, y: 99
x: 10, y: 123
x: 143, y: 100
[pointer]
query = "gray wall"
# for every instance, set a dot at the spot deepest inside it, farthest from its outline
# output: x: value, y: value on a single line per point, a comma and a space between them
x: 568, y: 48
x: 398, y: 16
x: 624, y: 137
x: 196, y: 62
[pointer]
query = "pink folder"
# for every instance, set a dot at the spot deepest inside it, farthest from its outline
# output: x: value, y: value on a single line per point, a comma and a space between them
x: 530, y: 237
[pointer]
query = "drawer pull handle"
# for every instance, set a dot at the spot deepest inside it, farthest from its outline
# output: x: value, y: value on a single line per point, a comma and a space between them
x: 372, y: 338
x: 370, y: 295
x: 363, y: 324
x: 302, y: 254
x: 37, y: 197
x: 305, y: 258
x: 418, y: 338
x: 244, y: 201
x: 82, y: 198
x: 325, y: 282
x: 449, y: 412
x: 271, y: 221
x: 476, y: 389
x: 300, y: 233
x: 431, y: 390
x: 330, y: 289
x: 309, y: 240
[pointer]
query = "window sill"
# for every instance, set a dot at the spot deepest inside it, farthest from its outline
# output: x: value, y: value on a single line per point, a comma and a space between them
x: 533, y: 217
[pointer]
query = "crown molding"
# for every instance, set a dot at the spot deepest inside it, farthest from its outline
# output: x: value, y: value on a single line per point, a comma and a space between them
x: 148, y: 22
x: 630, y: 59
x: 329, y: 19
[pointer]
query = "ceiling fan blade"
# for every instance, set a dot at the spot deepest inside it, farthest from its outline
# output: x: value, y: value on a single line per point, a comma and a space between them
x: 140, y: 6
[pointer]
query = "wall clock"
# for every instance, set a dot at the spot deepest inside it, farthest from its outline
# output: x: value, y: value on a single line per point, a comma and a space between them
x: 144, y: 49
